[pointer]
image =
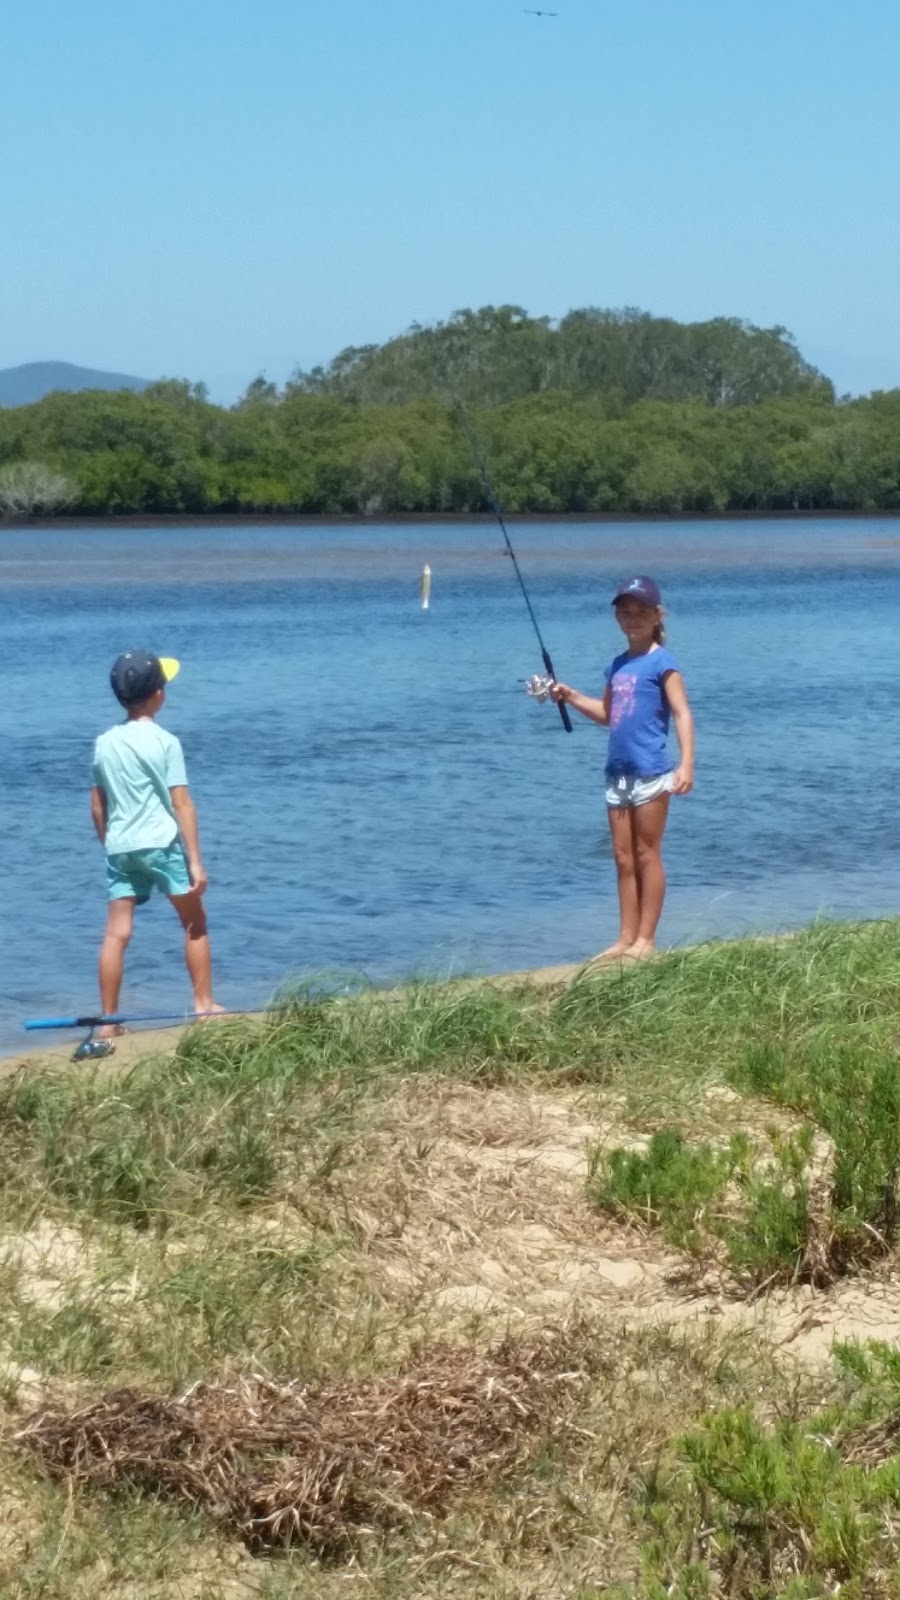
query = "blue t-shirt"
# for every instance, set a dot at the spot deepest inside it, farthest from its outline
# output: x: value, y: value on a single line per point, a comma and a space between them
x: 639, y: 714
x: 136, y: 763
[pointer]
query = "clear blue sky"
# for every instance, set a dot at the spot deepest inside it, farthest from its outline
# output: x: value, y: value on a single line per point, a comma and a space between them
x: 214, y: 188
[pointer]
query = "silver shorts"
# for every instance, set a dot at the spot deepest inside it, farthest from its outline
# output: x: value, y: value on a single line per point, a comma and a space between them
x: 630, y: 790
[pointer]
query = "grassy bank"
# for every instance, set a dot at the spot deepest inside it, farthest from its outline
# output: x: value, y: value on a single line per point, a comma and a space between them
x: 309, y: 1200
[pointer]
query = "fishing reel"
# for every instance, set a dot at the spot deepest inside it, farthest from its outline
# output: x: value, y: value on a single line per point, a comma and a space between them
x: 538, y: 687
x: 91, y: 1049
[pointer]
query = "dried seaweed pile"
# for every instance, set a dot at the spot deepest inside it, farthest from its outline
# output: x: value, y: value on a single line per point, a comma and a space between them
x: 280, y: 1465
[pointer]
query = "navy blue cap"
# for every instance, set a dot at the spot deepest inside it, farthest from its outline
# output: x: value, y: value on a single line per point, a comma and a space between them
x: 643, y: 589
x: 137, y: 674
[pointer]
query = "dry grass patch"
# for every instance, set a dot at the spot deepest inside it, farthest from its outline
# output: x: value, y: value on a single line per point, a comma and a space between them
x: 281, y: 1465
x: 473, y: 1199
x: 482, y: 1200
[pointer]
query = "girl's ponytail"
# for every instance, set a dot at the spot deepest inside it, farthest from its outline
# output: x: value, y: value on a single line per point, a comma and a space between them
x: 659, y: 632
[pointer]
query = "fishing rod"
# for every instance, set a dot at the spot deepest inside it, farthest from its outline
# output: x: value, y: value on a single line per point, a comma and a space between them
x: 103, y: 1021
x: 91, y: 1049
x: 541, y: 689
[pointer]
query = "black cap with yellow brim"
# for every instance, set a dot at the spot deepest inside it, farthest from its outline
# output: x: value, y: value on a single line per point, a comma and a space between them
x: 138, y: 674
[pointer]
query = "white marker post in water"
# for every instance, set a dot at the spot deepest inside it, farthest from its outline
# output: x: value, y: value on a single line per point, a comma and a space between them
x: 425, y: 586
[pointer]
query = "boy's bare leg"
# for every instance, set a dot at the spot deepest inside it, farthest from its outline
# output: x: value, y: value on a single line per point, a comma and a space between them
x: 621, y: 827
x: 119, y: 924
x: 649, y: 827
x: 192, y: 916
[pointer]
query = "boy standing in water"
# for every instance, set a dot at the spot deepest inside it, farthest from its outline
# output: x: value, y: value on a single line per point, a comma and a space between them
x: 145, y: 820
x: 644, y: 689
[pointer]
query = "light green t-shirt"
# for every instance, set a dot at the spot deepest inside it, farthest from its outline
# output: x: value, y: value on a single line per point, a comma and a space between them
x: 136, y: 764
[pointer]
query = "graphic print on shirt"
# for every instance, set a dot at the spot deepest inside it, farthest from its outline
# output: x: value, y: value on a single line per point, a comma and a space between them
x: 624, y: 697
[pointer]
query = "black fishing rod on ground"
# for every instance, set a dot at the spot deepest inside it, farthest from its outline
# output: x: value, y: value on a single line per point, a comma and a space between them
x: 478, y: 456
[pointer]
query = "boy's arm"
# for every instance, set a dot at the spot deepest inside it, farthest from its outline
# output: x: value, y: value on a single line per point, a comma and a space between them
x: 595, y: 710
x: 673, y: 683
x: 186, y: 817
x: 99, y: 811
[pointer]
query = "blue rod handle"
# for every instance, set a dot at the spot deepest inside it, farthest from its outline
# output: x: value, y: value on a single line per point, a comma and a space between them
x: 101, y: 1021
x: 70, y: 1022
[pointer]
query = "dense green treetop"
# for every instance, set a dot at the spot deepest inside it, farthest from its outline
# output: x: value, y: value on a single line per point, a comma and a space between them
x: 499, y: 354
x: 604, y: 411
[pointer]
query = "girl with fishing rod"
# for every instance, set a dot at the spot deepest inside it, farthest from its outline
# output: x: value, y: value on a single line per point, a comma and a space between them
x: 644, y: 691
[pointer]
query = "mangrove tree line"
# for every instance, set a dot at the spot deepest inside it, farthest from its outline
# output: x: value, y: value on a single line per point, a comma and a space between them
x: 603, y: 411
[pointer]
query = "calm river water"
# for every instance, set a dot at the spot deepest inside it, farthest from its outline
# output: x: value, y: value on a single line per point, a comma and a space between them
x: 376, y: 792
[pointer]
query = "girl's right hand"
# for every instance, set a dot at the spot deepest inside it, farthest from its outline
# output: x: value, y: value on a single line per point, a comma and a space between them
x: 560, y: 693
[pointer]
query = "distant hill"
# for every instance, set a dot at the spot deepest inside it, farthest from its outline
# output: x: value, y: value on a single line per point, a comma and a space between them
x: 21, y: 386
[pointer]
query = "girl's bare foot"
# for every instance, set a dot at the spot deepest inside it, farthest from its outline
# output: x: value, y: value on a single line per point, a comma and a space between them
x: 640, y: 950
x: 616, y: 952
x: 110, y: 1030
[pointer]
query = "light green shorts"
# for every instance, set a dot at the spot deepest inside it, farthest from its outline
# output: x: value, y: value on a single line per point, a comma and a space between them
x: 135, y: 874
